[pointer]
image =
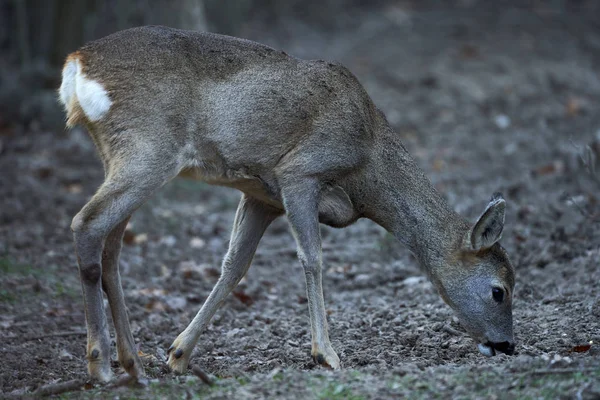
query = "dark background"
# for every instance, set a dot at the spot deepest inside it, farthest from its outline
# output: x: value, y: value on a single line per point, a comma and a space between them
x: 486, y: 95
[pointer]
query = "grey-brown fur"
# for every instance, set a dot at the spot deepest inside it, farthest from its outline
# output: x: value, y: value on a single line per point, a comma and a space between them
x: 300, y: 138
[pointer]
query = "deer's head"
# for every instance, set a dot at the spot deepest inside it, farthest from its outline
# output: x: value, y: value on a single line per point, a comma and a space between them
x: 478, y: 281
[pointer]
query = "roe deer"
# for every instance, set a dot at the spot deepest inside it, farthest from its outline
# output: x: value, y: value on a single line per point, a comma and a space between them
x: 300, y: 138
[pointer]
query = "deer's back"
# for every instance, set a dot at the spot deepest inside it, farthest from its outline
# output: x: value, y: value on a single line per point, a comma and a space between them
x: 231, y: 104
x: 162, y: 50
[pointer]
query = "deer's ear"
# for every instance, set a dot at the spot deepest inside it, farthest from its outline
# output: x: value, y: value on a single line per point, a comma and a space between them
x: 488, y: 228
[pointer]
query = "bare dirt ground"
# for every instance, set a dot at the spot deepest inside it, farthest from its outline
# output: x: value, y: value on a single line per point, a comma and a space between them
x: 487, y: 98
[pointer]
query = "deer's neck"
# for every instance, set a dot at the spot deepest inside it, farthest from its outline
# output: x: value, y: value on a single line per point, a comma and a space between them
x: 403, y: 200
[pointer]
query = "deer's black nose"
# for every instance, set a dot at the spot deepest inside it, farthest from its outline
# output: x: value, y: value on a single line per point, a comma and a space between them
x: 504, y: 347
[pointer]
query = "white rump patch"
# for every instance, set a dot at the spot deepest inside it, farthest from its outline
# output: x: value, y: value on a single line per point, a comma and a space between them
x: 91, y: 95
x: 67, y: 87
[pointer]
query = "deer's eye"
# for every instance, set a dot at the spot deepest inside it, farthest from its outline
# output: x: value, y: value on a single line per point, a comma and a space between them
x: 498, y: 294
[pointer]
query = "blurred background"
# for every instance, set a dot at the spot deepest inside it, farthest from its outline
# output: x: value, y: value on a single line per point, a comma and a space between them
x: 36, y: 35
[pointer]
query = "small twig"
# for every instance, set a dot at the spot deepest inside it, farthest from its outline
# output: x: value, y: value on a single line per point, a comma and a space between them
x: 124, y: 380
x: 588, y: 159
x: 560, y: 371
x: 202, y: 375
x: 128, y: 380
x: 58, y: 388
x: 451, y: 331
x: 584, y: 212
x: 581, y: 390
x: 56, y: 334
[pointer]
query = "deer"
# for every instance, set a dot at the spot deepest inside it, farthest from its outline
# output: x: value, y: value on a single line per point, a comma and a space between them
x: 300, y: 138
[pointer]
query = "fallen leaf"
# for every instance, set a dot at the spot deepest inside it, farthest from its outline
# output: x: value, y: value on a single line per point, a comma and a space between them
x: 519, y: 238
x: 155, y: 306
x: 573, y: 106
x: 438, y: 165
x: 212, y: 272
x: 74, y: 188
x: 57, y: 312
x: 129, y: 237
x: 148, y: 358
x: 555, y: 167
x: 243, y: 297
x: 582, y: 348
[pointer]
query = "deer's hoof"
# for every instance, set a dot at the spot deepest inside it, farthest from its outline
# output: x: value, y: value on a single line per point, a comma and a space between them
x: 100, y: 372
x: 327, y: 359
x: 98, y: 363
x: 178, y: 358
x: 132, y: 365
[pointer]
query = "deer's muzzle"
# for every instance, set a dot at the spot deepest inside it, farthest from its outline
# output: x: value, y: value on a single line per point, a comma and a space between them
x: 489, y: 348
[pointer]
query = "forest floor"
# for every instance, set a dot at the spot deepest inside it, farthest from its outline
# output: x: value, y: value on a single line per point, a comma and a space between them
x: 486, y: 100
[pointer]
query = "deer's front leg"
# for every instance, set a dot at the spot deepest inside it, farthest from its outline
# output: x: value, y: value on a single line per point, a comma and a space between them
x: 301, y: 201
x: 251, y: 220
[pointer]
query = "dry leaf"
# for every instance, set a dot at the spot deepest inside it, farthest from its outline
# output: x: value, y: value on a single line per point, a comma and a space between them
x: 212, y: 272
x: 573, y: 106
x: 243, y: 297
x: 519, y: 238
x: 74, y: 188
x: 556, y: 167
x: 582, y: 348
x: 155, y: 306
x: 438, y: 165
x: 129, y: 237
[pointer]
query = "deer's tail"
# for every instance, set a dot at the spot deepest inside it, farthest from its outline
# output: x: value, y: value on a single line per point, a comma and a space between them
x: 84, y: 99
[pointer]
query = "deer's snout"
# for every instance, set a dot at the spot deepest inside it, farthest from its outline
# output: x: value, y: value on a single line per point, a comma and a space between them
x: 490, y: 348
x: 503, y: 347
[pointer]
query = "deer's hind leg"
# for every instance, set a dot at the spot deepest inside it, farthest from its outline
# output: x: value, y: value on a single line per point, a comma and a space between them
x: 111, y: 283
x: 126, y: 188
